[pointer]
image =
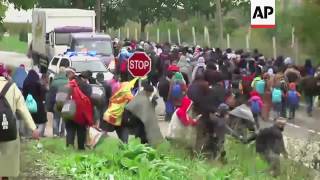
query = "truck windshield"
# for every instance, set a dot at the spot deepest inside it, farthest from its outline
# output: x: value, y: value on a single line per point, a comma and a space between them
x: 93, y: 66
x: 102, y: 47
x: 62, y: 38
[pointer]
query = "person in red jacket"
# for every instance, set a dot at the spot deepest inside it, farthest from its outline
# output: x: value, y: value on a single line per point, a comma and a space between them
x: 83, y: 116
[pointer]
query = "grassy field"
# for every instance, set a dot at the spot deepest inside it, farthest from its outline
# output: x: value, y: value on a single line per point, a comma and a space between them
x: 13, y: 44
x: 113, y: 160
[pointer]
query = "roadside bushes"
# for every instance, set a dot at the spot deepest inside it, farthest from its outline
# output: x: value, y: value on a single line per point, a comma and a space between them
x: 134, y: 161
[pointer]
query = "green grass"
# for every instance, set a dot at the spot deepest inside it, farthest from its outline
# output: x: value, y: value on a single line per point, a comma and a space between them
x: 13, y: 44
x: 135, y: 161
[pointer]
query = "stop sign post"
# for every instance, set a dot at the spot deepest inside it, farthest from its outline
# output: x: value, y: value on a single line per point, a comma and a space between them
x: 139, y: 64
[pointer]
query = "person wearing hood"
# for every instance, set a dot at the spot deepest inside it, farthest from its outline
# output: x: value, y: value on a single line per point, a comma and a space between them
x: 199, y: 68
x: 140, y: 117
x: 33, y: 87
x: 19, y: 76
x: 293, y: 97
x: 256, y: 104
x: 185, y: 65
x: 10, y: 150
x: 59, y: 83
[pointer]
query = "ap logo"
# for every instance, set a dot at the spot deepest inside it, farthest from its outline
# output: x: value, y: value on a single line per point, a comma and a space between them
x: 263, y: 14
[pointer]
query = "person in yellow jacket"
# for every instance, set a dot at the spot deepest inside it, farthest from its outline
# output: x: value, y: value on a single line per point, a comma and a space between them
x: 10, y: 150
x: 118, y: 101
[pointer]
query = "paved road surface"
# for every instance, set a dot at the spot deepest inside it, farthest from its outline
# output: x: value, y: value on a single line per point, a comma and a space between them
x: 14, y: 59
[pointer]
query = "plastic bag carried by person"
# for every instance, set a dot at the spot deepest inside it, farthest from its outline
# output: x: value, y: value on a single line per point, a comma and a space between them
x: 182, y: 134
x: 61, y: 98
x: 31, y: 104
x: 97, y: 95
x: 69, y: 110
x: 93, y: 137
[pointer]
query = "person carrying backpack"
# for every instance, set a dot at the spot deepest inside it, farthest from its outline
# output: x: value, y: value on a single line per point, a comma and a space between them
x: 36, y: 91
x: 56, y: 97
x: 11, y: 102
x: 256, y: 104
x: 83, y: 116
x: 293, y: 97
x: 259, y: 85
x: 276, y: 101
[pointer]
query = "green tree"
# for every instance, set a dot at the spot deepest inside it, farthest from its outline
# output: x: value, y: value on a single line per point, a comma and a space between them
x: 114, y: 13
x: 3, y: 9
x: 18, y: 4
x: 80, y: 4
x: 149, y: 11
x: 306, y: 22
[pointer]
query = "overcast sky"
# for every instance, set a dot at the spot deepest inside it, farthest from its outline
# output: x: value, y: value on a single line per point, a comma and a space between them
x: 13, y: 15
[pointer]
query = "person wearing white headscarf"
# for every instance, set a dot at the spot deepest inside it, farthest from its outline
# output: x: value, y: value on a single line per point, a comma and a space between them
x: 200, y: 64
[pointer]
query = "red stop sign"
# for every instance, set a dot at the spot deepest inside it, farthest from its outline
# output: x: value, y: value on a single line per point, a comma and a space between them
x: 139, y: 64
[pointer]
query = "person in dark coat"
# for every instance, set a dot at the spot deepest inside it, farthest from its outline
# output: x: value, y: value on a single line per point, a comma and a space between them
x: 197, y: 92
x: 270, y: 144
x: 155, y: 67
x: 216, y: 130
x: 211, y: 74
x: 164, y: 87
x: 309, y: 69
x: 32, y: 86
x: 310, y: 87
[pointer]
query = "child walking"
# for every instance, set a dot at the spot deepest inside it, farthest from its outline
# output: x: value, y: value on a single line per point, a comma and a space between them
x: 293, y: 98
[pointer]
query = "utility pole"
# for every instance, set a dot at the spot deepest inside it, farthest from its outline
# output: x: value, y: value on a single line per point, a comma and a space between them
x: 219, y: 23
x: 98, y: 15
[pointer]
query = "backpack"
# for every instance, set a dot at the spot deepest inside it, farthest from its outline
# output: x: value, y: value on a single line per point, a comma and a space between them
x: 255, y: 107
x: 98, y: 95
x: 176, y: 91
x: 260, y: 87
x: 276, y: 96
x: 8, y: 126
x: 31, y: 104
x: 293, y: 98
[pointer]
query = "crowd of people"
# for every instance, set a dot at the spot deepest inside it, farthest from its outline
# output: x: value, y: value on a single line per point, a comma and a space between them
x: 202, y: 89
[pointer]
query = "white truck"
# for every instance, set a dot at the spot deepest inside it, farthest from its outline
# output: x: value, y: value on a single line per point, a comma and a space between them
x: 52, y: 29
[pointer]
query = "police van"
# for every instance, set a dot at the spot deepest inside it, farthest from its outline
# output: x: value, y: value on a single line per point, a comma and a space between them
x: 80, y: 62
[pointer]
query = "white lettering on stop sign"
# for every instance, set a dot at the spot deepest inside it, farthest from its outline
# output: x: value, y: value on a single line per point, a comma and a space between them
x: 137, y: 64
